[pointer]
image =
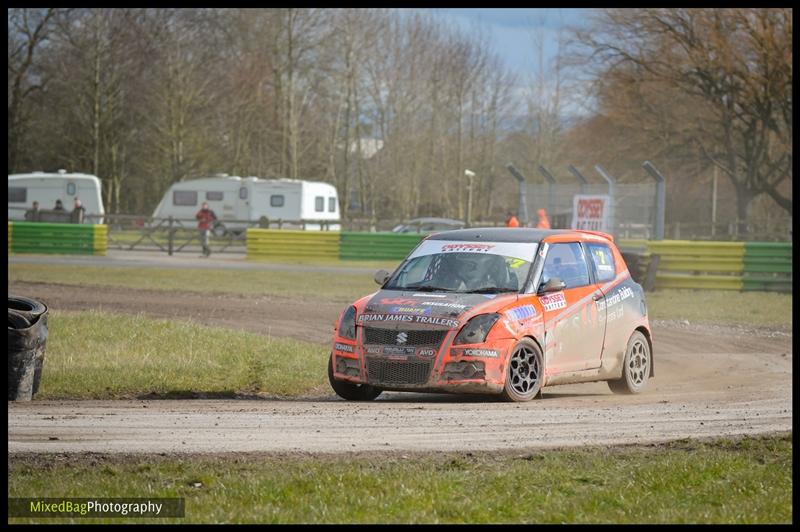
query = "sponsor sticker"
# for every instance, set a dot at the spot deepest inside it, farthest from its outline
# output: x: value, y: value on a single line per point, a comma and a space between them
x: 398, y: 301
x: 429, y: 295
x: 521, y: 313
x: 553, y: 301
x: 428, y: 320
x: 395, y: 350
x: 426, y: 352
x: 373, y: 350
x: 384, y: 317
x: 477, y: 352
x: 457, y: 306
x: 467, y: 247
x: 409, y: 310
x: 344, y: 347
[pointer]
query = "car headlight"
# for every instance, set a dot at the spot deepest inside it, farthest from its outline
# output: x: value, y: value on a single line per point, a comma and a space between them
x: 347, y: 327
x: 476, y: 329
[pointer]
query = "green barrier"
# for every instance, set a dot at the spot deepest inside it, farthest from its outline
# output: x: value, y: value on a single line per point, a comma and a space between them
x: 266, y: 243
x: 54, y: 238
x: 768, y: 266
x: 377, y: 246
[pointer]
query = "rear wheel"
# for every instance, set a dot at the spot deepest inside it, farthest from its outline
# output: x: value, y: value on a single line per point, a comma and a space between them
x: 636, y: 366
x: 524, y: 373
x: 350, y: 390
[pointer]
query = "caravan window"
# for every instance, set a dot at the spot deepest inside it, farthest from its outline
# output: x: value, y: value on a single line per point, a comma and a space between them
x: 319, y: 204
x: 71, y: 189
x: 276, y: 200
x: 331, y: 204
x: 17, y: 194
x: 243, y: 193
x: 214, y: 196
x: 184, y: 197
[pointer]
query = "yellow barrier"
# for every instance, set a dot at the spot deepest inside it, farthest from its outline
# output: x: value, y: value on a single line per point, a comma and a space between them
x: 100, y: 240
x: 266, y: 243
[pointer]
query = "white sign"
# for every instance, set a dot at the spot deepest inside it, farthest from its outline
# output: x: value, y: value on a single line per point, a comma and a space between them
x: 591, y: 212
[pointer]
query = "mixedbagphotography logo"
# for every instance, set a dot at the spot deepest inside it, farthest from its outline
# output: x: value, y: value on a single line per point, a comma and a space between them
x: 96, y: 507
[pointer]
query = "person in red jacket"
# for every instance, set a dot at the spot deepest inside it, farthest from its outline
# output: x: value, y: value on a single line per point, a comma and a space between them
x: 206, y: 218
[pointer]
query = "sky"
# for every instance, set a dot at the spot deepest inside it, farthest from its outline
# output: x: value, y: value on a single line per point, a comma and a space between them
x: 510, y: 30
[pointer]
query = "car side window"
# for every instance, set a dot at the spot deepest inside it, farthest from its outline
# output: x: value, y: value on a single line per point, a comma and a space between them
x: 567, y: 262
x: 603, y: 261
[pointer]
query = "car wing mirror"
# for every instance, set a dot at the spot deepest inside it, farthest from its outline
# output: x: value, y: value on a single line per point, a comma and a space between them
x: 381, y: 276
x: 554, y: 284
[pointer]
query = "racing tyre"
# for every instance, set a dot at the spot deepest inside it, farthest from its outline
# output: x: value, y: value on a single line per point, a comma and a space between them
x: 524, y: 373
x: 25, y: 306
x: 636, y: 366
x: 349, y: 390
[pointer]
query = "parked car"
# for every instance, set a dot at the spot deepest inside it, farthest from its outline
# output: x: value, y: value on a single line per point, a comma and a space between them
x: 428, y: 225
x: 497, y: 311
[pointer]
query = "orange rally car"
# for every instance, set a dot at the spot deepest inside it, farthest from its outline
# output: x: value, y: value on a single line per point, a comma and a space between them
x: 497, y: 311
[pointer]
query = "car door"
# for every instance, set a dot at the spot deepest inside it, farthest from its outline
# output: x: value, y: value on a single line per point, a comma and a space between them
x: 574, y: 321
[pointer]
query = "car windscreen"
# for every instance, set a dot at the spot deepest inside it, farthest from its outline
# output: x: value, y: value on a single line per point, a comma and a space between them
x: 467, y: 267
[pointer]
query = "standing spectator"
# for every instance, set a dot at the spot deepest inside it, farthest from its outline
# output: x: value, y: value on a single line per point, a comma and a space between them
x: 32, y: 214
x: 205, y: 217
x: 59, y: 206
x: 78, y: 212
x: 544, y: 223
x: 511, y: 220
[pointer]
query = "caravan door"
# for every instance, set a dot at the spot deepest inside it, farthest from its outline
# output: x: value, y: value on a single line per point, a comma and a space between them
x: 278, y: 201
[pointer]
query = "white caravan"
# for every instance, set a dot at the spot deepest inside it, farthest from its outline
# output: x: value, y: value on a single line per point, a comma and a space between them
x: 244, y: 199
x: 46, y: 188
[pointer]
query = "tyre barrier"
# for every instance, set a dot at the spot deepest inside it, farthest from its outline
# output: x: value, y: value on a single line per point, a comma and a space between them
x: 27, y: 336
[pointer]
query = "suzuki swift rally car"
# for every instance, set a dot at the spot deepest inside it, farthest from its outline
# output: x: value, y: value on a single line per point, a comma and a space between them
x: 497, y: 311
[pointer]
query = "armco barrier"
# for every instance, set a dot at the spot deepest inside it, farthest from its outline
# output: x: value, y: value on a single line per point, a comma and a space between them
x: 67, y: 239
x: 721, y: 265
x: 768, y: 266
x: 268, y: 243
x: 377, y: 246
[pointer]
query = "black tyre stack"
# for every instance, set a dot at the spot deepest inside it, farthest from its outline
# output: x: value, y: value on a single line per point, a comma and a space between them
x: 27, y: 335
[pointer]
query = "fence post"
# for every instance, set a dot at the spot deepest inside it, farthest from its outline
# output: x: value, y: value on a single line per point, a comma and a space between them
x: 580, y: 177
x: 550, y: 182
x: 170, y: 237
x: 661, y: 194
x: 612, y: 193
x: 523, y: 202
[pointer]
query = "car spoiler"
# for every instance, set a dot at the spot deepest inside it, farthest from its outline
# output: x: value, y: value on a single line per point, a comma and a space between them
x: 596, y: 233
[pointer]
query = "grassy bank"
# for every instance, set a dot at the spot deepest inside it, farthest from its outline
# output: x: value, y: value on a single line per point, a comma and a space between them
x: 99, y: 355
x: 726, y: 481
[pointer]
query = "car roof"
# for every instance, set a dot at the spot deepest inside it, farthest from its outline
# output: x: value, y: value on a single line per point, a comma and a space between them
x: 500, y: 234
x: 435, y: 220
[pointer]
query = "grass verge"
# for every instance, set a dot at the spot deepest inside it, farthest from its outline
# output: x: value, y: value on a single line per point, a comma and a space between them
x: 760, y: 309
x: 347, y: 286
x: 745, y: 480
x: 96, y: 355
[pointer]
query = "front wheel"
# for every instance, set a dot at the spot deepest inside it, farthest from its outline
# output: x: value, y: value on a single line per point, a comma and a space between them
x: 636, y: 370
x: 349, y: 390
x: 525, y: 372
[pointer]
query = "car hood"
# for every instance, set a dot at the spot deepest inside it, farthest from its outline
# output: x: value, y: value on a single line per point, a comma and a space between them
x: 429, y: 308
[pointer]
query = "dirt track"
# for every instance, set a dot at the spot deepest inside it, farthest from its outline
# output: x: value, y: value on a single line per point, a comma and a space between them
x: 710, y: 380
